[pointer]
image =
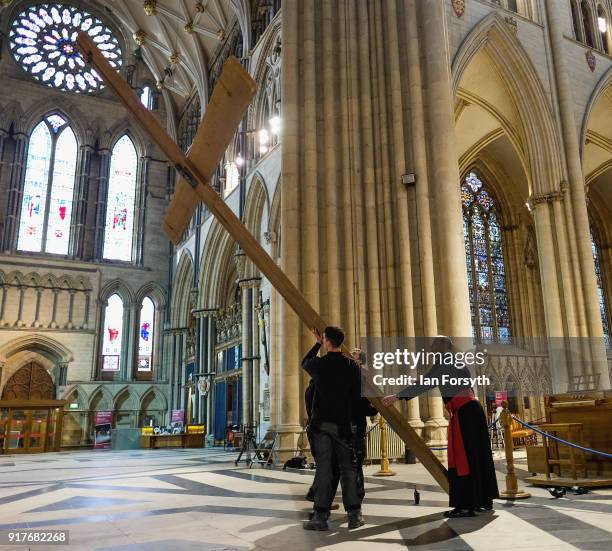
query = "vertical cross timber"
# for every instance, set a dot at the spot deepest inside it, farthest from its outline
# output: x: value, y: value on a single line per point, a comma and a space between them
x: 229, y: 101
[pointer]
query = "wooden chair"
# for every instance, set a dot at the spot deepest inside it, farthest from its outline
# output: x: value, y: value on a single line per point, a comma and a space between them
x: 521, y: 436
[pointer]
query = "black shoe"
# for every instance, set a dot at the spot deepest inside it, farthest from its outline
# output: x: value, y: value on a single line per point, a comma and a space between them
x: 355, y: 520
x: 311, y: 515
x: 459, y: 513
x: 317, y: 522
x: 483, y: 509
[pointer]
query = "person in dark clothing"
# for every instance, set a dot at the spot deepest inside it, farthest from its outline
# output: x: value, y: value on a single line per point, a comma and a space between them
x: 471, y: 472
x: 362, y: 408
x: 337, y: 384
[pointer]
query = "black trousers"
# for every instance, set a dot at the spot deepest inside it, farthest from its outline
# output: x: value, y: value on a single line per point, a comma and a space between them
x: 333, y: 447
x: 359, y: 447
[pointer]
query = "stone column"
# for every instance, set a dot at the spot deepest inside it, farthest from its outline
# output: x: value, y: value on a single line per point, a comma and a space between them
x: 128, y: 343
x: 452, y: 301
x: 550, y: 291
x: 3, y: 136
x: 578, y: 215
x: 140, y: 211
x: 105, y: 158
x: 81, y: 194
x: 4, y: 289
x: 447, y: 242
x: 15, y: 191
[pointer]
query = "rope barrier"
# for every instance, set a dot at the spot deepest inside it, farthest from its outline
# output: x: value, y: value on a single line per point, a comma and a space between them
x: 570, y: 444
x: 446, y: 447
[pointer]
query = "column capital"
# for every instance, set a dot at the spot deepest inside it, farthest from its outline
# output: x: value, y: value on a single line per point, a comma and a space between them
x: 550, y: 197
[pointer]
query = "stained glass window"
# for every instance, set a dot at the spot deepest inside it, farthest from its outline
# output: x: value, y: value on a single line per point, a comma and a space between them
x: 485, y: 263
x: 146, y: 335
x: 42, y: 40
x: 46, y: 206
x: 119, y: 230
x: 113, y: 334
x: 603, y: 306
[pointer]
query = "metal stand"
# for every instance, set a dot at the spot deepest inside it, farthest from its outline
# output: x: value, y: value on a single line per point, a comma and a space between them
x: 249, y: 445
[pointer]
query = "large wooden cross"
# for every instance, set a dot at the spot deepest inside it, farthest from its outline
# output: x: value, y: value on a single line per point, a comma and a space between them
x: 230, y: 99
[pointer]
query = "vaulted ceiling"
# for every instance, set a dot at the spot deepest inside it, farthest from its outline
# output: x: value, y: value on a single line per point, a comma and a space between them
x: 177, y: 38
x: 182, y: 35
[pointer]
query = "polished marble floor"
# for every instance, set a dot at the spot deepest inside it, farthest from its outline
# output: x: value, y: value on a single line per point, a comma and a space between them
x: 180, y: 500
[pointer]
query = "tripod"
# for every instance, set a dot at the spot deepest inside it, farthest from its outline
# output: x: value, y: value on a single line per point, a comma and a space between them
x: 249, y: 445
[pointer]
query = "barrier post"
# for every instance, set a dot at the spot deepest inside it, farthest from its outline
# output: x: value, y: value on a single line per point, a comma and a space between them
x: 512, y: 490
x: 384, y: 460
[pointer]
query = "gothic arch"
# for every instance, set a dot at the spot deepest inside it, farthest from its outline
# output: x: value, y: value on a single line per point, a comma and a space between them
x: 495, y: 178
x: 106, y: 399
x: 603, y: 86
x: 125, y: 399
x: 181, y: 289
x: 220, y: 246
x: 48, y: 346
x: 257, y: 204
x: 12, y: 115
x: 57, y: 103
x: 153, y: 290
x: 119, y: 287
x: 158, y: 397
x: 274, y: 221
x: 81, y: 394
x: 537, y: 127
x: 599, y: 214
x: 124, y: 127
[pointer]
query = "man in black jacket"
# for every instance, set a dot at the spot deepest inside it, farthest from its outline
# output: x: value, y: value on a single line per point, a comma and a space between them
x: 337, y: 386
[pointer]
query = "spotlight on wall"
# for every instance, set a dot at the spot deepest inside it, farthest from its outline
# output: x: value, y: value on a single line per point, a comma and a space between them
x: 239, y: 160
x: 264, y: 137
x: 275, y: 124
x: 601, y: 23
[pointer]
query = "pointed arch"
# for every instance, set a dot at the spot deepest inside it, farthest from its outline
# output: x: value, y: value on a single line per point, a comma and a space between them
x: 101, y: 399
x: 45, y: 215
x: 125, y: 399
x: 81, y: 395
x: 47, y: 346
x: 120, y: 232
x: 119, y: 287
x: 274, y: 221
x: 124, y: 127
x: 158, y: 396
x: 213, y: 275
x: 537, y: 124
x: 603, y: 86
x: 13, y: 115
x: 57, y: 104
x: 153, y: 290
x: 256, y: 205
x: 181, y: 288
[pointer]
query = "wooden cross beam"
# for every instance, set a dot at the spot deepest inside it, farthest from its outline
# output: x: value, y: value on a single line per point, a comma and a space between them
x: 229, y: 101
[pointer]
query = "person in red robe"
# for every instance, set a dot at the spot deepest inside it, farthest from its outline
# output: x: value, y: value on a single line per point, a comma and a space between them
x: 471, y: 472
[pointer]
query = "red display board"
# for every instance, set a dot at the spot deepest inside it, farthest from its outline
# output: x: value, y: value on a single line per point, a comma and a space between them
x: 102, y: 430
x: 500, y: 396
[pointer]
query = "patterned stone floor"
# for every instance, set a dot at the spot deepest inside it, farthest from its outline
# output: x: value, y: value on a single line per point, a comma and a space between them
x: 180, y: 500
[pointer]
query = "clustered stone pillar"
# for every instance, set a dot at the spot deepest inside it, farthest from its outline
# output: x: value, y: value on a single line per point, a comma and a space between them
x: 101, y: 198
x: 362, y: 106
x: 575, y: 205
x: 11, y: 224
x: 79, y: 217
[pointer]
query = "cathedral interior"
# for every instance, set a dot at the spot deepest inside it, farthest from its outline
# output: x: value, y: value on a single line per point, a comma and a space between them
x: 415, y: 167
